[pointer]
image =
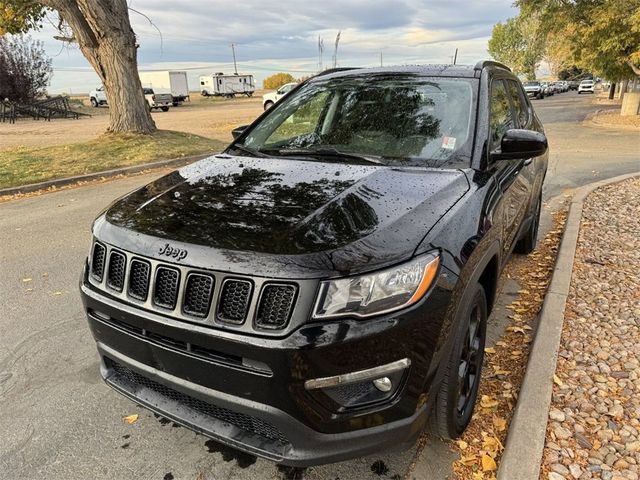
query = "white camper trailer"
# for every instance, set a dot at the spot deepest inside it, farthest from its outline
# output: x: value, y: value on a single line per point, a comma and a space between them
x: 171, y: 82
x: 229, y: 86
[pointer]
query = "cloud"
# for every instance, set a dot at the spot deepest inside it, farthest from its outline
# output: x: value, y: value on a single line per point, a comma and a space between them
x: 274, y: 36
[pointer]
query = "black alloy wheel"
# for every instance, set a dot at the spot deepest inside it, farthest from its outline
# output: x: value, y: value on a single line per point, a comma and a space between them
x: 457, y: 394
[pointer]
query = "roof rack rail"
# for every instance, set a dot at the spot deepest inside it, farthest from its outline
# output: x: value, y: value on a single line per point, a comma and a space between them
x: 334, y: 70
x: 490, y: 63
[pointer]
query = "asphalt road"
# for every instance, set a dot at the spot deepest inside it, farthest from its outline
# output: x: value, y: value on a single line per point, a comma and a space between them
x: 58, y: 420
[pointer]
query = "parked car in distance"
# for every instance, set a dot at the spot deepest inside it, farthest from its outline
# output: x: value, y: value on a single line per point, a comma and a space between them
x: 534, y: 89
x: 320, y: 290
x: 573, y: 85
x: 547, y: 89
x: 586, y: 86
x: 271, y: 98
x: 98, y: 97
x: 157, y: 100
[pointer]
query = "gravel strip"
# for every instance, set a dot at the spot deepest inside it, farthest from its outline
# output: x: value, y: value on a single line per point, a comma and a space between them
x: 594, y: 420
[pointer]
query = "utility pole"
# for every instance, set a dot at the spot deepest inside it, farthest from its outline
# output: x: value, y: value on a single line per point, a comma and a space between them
x: 380, y: 58
x: 233, y: 50
x: 455, y: 56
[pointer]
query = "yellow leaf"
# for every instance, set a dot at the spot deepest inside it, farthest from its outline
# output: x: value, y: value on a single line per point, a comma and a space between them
x: 131, y: 418
x: 25, y: 280
x: 488, y: 463
x: 488, y: 402
x: 500, y: 423
x: 469, y: 460
x: 557, y: 380
x: 501, y: 344
x: 489, y: 350
x: 462, y: 444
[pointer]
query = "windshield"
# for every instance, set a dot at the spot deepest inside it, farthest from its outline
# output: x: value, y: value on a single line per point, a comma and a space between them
x: 393, y: 120
x: 532, y: 84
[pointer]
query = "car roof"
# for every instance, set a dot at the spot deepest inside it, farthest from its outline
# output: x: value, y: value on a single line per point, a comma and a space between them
x: 446, y: 70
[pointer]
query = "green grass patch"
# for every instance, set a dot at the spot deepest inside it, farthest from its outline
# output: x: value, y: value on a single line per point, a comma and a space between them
x: 23, y: 165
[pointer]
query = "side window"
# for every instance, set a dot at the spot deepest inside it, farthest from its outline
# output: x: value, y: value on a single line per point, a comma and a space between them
x: 500, y: 118
x: 519, y: 103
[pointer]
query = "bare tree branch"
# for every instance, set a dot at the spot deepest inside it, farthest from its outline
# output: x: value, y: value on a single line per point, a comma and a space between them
x: 633, y: 66
x: 153, y: 25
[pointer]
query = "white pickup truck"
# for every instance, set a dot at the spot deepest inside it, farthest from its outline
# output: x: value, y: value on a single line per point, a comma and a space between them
x: 98, y: 97
x: 155, y: 100
x: 270, y: 99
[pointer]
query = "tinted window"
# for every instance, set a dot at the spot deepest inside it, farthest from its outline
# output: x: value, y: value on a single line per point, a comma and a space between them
x: 519, y: 103
x: 398, y: 120
x: 500, y: 119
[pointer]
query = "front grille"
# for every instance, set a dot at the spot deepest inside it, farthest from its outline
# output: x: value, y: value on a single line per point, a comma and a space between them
x: 139, y: 279
x: 275, y: 306
x: 165, y: 293
x: 115, y: 276
x: 234, y: 301
x: 197, y: 294
x: 97, y: 261
x: 243, y: 421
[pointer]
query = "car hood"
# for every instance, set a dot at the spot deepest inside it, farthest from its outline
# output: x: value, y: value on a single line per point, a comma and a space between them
x: 284, y: 217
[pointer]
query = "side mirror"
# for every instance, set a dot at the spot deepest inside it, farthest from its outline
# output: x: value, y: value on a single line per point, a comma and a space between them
x: 517, y: 144
x: 236, y: 132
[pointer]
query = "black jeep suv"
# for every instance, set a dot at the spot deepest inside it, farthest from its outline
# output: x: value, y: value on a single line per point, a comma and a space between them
x: 320, y: 290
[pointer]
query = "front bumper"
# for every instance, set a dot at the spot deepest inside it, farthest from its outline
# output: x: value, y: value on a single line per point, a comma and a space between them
x: 249, y: 393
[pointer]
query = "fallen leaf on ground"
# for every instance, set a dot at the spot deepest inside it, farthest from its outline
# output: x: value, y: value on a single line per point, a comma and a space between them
x: 488, y: 463
x: 557, y: 381
x: 489, y: 350
x: 131, y: 418
x: 488, y: 402
x: 25, y: 280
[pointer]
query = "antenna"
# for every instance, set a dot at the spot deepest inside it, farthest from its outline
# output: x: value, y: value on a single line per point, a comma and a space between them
x: 455, y: 56
x: 233, y: 51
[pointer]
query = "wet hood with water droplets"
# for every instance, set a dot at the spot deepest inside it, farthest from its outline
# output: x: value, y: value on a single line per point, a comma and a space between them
x: 284, y: 217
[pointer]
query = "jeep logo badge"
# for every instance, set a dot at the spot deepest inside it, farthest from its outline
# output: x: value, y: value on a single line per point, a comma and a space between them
x: 169, y: 251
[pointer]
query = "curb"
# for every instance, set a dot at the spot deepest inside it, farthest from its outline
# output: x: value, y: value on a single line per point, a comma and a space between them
x: 33, y: 187
x: 524, y: 447
x: 593, y: 119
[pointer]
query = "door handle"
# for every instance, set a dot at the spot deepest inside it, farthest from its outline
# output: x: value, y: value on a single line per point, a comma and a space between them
x: 528, y: 162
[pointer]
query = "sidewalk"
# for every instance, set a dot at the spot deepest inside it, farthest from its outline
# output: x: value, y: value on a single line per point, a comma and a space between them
x: 594, y: 420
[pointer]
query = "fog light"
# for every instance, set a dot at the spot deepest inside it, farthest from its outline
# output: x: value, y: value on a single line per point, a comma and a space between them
x: 383, y: 384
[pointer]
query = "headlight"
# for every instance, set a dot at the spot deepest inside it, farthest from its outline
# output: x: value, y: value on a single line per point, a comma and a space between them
x: 379, y: 292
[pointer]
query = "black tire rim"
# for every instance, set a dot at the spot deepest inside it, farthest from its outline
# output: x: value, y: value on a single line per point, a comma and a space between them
x: 470, y: 364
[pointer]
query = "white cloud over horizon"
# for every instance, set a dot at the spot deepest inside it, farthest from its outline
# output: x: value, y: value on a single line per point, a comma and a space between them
x: 282, y: 36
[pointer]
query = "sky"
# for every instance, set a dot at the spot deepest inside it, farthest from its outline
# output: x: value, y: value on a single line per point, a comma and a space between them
x: 274, y: 36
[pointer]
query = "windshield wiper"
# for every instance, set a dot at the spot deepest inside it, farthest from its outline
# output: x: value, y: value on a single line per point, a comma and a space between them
x: 325, y: 153
x: 249, y: 150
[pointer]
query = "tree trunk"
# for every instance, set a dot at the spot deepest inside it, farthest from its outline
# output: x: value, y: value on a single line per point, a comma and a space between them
x: 623, y: 88
x: 107, y: 41
x: 612, y: 90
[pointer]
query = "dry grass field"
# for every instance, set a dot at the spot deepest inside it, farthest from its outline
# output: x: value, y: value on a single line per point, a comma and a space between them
x: 208, y: 117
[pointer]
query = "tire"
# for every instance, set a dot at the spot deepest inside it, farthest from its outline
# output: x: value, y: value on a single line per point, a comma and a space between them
x: 205, y: 93
x: 165, y: 109
x: 456, y: 397
x: 268, y: 105
x: 527, y: 243
x: 94, y: 103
